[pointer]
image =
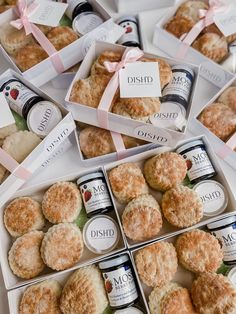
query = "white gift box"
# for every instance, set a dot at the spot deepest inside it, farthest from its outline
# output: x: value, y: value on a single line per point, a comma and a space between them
x: 167, y: 229
x: 131, y: 127
x: 221, y: 148
x: 171, y: 45
x: 57, y: 142
x: 12, y: 281
x: 44, y: 71
x: 134, y: 6
x: 15, y: 295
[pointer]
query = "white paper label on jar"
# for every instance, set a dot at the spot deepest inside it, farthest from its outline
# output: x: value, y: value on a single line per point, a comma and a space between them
x: 227, y: 238
x: 84, y: 24
x: 131, y: 32
x: 198, y: 163
x: 120, y: 286
x: 95, y: 195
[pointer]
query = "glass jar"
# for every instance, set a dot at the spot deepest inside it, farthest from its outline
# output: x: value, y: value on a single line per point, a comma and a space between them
x: 131, y: 36
x: 231, y: 274
x: 86, y: 22
x: 225, y: 231
x: 76, y: 7
x: 199, y: 166
x: 95, y: 193
x: 119, y: 282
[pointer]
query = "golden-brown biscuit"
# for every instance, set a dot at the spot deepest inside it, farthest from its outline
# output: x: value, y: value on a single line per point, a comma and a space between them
x: 171, y: 299
x: 7, y: 130
x: 214, y: 29
x: 62, y: 246
x: 43, y: 298
x: 179, y: 25
x: 141, y: 218
x: 212, y: 46
x: 182, y: 207
x: 190, y: 9
x: 199, y: 251
x: 4, y: 8
x: 165, y: 170
x: 84, y: 292
x: 228, y: 97
x: 61, y: 36
x: 24, y: 256
x: 127, y: 182
x: 22, y: 215
x: 212, y: 293
x: 62, y: 202
x: 29, y: 56
x: 3, y: 173
x: 11, y: 2
x: 219, y: 119
x: 157, y: 264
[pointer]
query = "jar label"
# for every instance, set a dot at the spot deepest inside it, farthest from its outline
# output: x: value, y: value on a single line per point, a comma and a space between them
x: 131, y: 32
x: 227, y: 239
x: 84, y: 24
x: 95, y: 195
x: 198, y: 163
x: 17, y: 95
x: 120, y: 286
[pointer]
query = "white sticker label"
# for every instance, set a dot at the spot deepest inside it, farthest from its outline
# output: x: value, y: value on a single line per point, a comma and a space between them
x: 152, y: 134
x: 226, y: 21
x: 140, y: 79
x: 6, y: 117
x: 48, y: 13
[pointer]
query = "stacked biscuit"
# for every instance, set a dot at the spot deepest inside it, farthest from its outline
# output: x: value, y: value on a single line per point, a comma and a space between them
x: 142, y: 216
x: 198, y: 252
x: 6, y: 5
x: 220, y: 116
x: 61, y: 247
x: 211, y: 42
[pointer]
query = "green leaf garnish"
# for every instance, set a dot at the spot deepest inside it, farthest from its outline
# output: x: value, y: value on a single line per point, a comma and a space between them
x: 81, y: 219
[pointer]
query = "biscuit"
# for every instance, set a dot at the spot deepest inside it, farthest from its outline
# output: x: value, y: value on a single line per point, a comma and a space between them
x: 212, y: 293
x: 219, y: 119
x: 199, y: 251
x: 127, y: 182
x: 228, y: 98
x: 141, y: 218
x: 182, y: 207
x: 212, y: 46
x: 61, y: 36
x: 11, y: 2
x: 179, y: 25
x: 62, y: 246
x: 214, y: 29
x: 22, y: 215
x: 3, y: 172
x: 171, y: 299
x: 43, y: 298
x: 20, y: 144
x: 29, y: 56
x: 62, y: 202
x: 165, y: 170
x: 157, y: 264
x: 4, y: 8
x: 24, y: 256
x: 190, y: 9
x: 7, y: 130
x: 84, y: 292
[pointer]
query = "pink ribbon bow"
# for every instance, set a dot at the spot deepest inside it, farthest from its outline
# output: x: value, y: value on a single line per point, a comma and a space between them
x: 23, y: 11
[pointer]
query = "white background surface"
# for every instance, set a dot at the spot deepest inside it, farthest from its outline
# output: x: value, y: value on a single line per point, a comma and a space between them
x: 70, y: 163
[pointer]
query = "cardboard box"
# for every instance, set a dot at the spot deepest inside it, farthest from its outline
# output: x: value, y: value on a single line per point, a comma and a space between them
x: 129, y: 127
x: 70, y: 55
x: 169, y: 44
x: 11, y: 281
x: 221, y: 148
x: 50, y: 146
x: 167, y: 229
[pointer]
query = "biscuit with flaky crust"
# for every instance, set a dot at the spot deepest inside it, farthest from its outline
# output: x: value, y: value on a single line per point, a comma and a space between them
x: 228, y: 98
x: 29, y: 56
x: 179, y: 25
x: 191, y: 9
x: 61, y: 36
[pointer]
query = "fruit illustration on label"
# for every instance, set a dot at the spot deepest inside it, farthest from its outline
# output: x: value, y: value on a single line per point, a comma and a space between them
x: 14, y: 93
x: 189, y: 164
x: 129, y: 29
x: 108, y: 286
x: 87, y: 193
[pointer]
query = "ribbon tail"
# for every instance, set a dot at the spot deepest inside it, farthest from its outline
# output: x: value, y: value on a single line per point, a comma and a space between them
x: 119, y: 145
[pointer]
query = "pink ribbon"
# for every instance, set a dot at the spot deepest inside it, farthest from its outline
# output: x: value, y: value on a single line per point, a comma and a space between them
x: 206, y: 19
x: 12, y: 165
x: 23, y: 12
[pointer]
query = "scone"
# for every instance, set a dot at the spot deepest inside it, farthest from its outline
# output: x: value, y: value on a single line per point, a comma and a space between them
x: 179, y: 25
x: 22, y: 215
x: 199, y: 251
x: 182, y: 207
x: 190, y: 9
x: 165, y: 170
x: 62, y: 202
x: 157, y: 264
x: 141, y: 218
x: 3, y: 173
x: 43, y: 298
x: 84, y: 292
x: 6, y: 131
x: 62, y: 246
x: 212, y: 293
x: 212, y: 46
x: 171, y: 299
x: 61, y: 36
x: 219, y: 119
x: 24, y: 256
x: 127, y: 182
x: 29, y: 56
x: 20, y: 144
x: 228, y: 98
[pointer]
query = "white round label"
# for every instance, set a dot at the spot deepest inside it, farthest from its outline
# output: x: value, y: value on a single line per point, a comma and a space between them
x: 84, y: 24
